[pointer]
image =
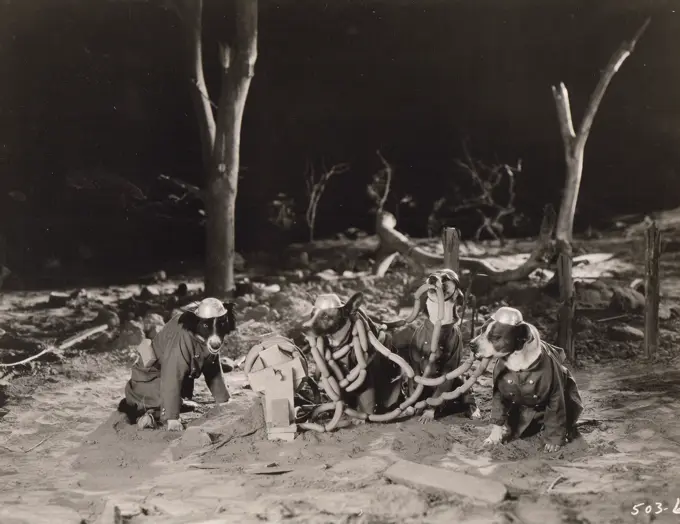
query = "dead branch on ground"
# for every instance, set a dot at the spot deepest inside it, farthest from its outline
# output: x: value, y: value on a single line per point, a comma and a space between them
x: 64, y: 345
x: 315, y: 188
x: 393, y: 242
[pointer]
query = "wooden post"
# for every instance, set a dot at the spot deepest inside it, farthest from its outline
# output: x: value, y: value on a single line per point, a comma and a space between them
x: 566, y: 312
x: 652, y: 255
x: 451, y: 243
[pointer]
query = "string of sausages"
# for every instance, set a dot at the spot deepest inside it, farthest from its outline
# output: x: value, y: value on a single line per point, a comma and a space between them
x: 363, y: 340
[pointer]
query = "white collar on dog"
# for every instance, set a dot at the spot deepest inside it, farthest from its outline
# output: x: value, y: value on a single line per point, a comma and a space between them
x: 210, y: 308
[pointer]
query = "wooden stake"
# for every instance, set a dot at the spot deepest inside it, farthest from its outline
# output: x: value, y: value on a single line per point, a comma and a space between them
x: 566, y: 313
x: 652, y: 284
x: 451, y: 243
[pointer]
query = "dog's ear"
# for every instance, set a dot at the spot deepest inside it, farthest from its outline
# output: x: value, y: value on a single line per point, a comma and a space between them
x: 188, y: 320
x: 522, y: 334
x: 354, y: 302
x: 229, y: 306
x: 231, y: 318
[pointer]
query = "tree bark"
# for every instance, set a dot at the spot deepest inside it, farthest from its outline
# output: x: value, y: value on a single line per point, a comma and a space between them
x: 192, y: 17
x: 574, y: 144
x: 393, y: 242
x: 652, y: 291
x: 451, y: 244
x: 221, y: 136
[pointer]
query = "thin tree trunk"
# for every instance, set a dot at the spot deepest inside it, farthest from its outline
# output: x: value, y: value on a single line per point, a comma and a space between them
x: 192, y: 17
x: 221, y: 136
x: 238, y: 69
x: 575, y: 143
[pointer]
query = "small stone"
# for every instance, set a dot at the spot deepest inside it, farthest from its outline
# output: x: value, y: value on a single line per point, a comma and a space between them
x: 665, y: 312
x: 625, y: 333
x: 272, y: 288
x: 131, y: 335
x: 195, y: 437
x: 78, y: 293
x: 149, y: 292
x: 627, y: 300
x: 108, y: 317
x: 257, y: 313
x: 239, y: 262
x: 58, y: 299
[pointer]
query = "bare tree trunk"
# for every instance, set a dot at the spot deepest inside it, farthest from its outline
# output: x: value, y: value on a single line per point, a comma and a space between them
x: 221, y: 137
x: 574, y: 144
x: 192, y: 17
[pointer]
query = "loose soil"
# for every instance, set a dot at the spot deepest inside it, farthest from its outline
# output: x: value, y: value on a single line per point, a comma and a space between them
x: 67, y: 456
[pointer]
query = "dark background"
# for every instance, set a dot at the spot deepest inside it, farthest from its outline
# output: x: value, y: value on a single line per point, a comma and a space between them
x: 97, y: 90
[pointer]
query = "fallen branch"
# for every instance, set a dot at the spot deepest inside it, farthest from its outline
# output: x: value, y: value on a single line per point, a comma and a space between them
x: 554, y: 483
x: 29, y: 449
x: 189, y: 189
x: 64, y: 345
x: 392, y: 242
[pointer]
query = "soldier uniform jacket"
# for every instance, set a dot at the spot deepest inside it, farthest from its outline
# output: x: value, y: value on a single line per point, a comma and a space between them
x: 180, y: 355
x: 413, y: 344
x: 546, y: 387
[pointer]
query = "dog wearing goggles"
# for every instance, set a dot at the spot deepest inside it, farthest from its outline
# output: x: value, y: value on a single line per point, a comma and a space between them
x: 531, y: 385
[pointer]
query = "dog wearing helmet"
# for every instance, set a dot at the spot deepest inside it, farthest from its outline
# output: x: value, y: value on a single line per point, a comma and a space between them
x: 187, y: 347
x: 413, y: 341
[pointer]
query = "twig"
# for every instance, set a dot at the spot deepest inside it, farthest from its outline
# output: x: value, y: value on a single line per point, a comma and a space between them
x: 617, y: 317
x: 64, y: 345
x: 387, y: 170
x: 232, y: 437
x: 554, y: 482
x: 29, y: 449
x: 315, y: 189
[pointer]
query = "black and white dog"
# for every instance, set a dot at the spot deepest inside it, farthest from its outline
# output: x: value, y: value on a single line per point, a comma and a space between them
x: 531, y: 385
x: 187, y: 347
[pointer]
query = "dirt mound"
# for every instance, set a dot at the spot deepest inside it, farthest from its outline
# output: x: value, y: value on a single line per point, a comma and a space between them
x: 121, y: 450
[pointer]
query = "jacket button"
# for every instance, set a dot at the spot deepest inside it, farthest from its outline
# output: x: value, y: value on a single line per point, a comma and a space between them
x: 509, y: 381
x: 535, y: 396
x: 531, y: 382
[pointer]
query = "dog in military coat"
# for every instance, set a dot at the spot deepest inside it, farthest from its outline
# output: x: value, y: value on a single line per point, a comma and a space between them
x: 187, y: 347
x: 531, y: 385
x: 413, y: 341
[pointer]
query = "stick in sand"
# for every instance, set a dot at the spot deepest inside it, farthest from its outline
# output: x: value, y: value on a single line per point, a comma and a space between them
x: 64, y: 345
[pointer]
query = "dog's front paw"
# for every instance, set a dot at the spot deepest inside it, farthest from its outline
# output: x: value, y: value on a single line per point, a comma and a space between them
x: 174, y: 425
x: 551, y: 448
x: 474, y: 413
x: 496, y: 437
x: 427, y: 416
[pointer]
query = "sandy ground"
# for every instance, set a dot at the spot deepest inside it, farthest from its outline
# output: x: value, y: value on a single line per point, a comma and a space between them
x: 66, y: 456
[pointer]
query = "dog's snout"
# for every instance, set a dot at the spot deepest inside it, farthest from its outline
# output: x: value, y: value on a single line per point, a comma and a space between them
x: 215, y: 342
